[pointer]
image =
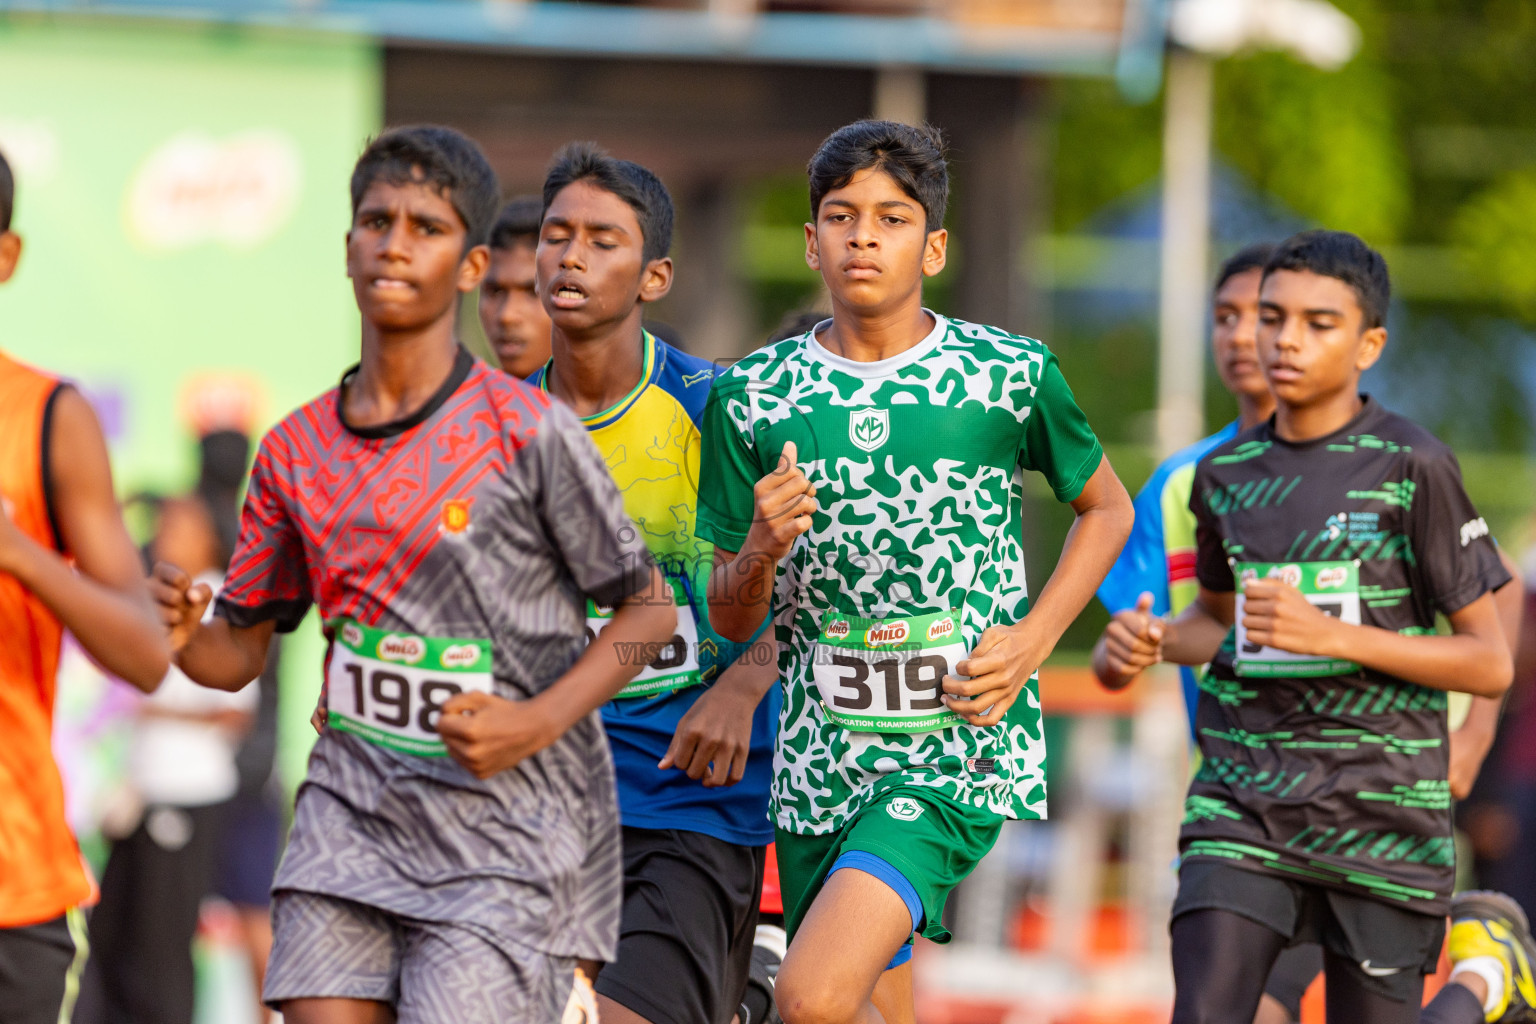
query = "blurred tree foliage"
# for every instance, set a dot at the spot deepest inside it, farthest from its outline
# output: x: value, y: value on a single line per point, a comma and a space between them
x: 1425, y: 145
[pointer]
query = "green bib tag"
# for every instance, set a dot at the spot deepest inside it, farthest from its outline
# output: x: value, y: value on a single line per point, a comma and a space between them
x: 674, y: 666
x: 1333, y: 587
x: 886, y: 675
x: 390, y: 688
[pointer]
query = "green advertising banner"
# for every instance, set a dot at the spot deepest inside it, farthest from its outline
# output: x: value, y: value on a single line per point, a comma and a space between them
x: 182, y: 198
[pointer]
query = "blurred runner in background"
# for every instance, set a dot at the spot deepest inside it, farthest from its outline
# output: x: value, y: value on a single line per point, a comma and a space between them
x: 66, y: 562
x: 181, y: 768
x: 513, y: 318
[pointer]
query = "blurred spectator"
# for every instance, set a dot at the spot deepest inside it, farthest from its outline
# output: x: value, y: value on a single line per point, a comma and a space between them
x: 182, y: 774
x: 253, y: 831
x: 1500, y: 816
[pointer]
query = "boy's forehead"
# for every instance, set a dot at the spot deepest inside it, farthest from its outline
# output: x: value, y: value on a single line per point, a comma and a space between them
x: 1241, y: 287
x: 517, y: 261
x: 1304, y: 289
x: 587, y: 203
x: 418, y: 197
x: 870, y: 185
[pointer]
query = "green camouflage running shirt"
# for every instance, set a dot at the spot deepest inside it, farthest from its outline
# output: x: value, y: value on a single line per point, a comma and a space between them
x: 918, y: 463
x: 1317, y: 770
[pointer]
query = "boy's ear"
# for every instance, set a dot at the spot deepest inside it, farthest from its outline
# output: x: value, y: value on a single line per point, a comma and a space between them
x: 812, y: 250
x: 473, y: 266
x: 656, y: 280
x: 1371, y: 344
x: 935, y: 252
x: 10, y: 254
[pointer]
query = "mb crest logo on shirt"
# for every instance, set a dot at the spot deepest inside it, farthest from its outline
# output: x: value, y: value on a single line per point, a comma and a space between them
x: 869, y: 428
x: 904, y: 808
x: 456, y: 515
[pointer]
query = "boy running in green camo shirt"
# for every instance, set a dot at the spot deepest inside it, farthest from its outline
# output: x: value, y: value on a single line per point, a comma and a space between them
x: 1327, y: 540
x: 865, y: 479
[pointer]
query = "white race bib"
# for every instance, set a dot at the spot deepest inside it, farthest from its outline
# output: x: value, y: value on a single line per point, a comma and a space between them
x: 1333, y: 587
x: 672, y: 666
x: 390, y: 688
x: 887, y: 675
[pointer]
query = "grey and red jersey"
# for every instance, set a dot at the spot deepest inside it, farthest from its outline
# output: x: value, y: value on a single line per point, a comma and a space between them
x: 489, y: 513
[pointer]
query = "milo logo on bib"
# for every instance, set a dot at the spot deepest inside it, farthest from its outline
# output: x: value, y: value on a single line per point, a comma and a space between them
x: 459, y: 656
x: 887, y: 675
x: 390, y: 688
x: 1331, y: 587
x: 1329, y: 579
x: 886, y: 634
x: 405, y: 649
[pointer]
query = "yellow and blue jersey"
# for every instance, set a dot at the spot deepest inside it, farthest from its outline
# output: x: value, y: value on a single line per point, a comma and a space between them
x: 650, y: 440
x: 1159, y: 557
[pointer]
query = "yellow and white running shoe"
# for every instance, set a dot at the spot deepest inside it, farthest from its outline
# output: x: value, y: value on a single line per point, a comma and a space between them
x: 1490, y: 924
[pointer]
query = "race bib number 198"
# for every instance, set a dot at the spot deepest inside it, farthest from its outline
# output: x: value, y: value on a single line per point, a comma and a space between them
x: 886, y: 675
x: 390, y: 688
x: 1332, y: 587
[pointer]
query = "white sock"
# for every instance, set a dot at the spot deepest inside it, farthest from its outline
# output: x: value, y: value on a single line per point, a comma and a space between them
x: 1491, y: 970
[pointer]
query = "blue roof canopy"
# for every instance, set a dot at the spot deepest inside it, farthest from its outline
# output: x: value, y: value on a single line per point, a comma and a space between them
x: 558, y: 26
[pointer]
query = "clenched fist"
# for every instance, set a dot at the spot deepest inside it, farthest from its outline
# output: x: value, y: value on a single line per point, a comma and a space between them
x: 181, y: 602
x: 783, y: 503
x: 1133, y: 642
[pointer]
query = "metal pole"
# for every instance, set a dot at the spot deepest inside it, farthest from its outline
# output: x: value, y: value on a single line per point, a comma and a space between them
x: 901, y: 94
x: 1185, y: 251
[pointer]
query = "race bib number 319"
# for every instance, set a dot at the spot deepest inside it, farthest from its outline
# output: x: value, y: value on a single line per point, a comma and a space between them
x: 390, y: 688
x: 1331, y: 587
x: 886, y: 675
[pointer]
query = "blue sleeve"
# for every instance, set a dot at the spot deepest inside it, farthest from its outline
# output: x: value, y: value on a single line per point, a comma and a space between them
x: 1143, y: 564
x: 687, y: 379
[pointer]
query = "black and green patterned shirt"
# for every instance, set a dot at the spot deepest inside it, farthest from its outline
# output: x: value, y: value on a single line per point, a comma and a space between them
x: 1319, y: 770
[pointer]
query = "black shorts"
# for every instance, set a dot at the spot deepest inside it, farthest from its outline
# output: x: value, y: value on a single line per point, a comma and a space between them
x: 685, y: 933
x: 36, y: 963
x: 249, y: 850
x: 1388, y: 947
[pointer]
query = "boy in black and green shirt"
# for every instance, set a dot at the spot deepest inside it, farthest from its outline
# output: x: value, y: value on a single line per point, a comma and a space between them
x: 1328, y: 538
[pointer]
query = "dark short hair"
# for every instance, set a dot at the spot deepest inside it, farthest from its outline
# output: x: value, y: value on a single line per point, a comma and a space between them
x: 447, y: 160
x: 1341, y: 255
x: 7, y: 194
x: 1249, y: 257
x: 518, y: 223
x: 912, y: 156
x: 636, y: 185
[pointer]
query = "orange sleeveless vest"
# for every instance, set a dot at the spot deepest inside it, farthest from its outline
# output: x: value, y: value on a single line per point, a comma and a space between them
x: 41, y: 875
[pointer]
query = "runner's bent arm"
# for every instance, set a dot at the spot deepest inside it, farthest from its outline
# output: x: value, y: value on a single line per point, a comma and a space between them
x: 214, y: 653
x: 105, y: 603
x: 488, y: 734
x: 1474, y: 659
x: 1195, y: 635
x: 741, y: 587
x: 718, y: 728
x: 1004, y: 657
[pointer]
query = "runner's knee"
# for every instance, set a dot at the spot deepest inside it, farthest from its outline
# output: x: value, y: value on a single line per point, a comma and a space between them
x: 809, y: 997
